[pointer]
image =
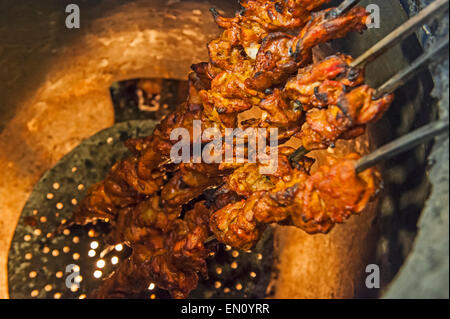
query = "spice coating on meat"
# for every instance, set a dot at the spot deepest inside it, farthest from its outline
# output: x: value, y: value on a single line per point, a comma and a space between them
x: 166, y: 212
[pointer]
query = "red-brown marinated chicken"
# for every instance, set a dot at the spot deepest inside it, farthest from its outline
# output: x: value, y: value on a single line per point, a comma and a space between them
x: 145, y: 173
x: 251, y: 24
x: 248, y: 179
x: 322, y: 83
x: 167, y: 251
x: 345, y: 120
x: 172, y: 256
x: 314, y: 203
x: 144, y: 197
x: 281, y: 54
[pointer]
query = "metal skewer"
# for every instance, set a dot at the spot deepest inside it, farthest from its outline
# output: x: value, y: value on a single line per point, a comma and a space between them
x: 406, y: 74
x: 344, y: 7
x: 404, y: 143
x: 417, y: 137
x: 431, y: 11
x: 400, y: 145
x: 391, y: 85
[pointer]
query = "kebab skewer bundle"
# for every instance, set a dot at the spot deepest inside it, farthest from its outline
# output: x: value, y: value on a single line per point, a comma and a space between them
x: 263, y: 59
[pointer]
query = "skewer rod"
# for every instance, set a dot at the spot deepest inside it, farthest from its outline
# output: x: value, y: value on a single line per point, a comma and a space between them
x: 402, y: 144
x: 391, y: 85
x: 435, y: 8
x: 406, y: 74
x: 396, y: 147
x: 345, y: 7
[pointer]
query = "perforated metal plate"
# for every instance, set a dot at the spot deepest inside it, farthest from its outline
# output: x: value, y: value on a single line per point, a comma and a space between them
x: 38, y: 260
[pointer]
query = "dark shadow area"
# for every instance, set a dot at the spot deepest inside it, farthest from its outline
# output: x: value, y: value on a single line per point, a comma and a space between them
x: 406, y: 186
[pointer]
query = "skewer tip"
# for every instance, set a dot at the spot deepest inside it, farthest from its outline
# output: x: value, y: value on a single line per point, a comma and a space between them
x: 402, y: 144
x: 342, y: 8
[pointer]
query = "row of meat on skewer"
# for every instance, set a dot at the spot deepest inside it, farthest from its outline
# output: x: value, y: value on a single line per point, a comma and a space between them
x: 263, y: 59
